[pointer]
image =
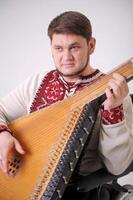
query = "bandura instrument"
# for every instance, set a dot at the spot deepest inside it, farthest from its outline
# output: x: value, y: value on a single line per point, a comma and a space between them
x: 44, y: 135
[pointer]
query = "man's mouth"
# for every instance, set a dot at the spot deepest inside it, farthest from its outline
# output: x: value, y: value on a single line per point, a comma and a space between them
x: 68, y: 65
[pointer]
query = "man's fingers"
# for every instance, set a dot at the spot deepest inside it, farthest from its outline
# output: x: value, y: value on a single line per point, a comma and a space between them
x: 119, y: 85
x: 109, y: 92
x: 115, y: 87
x: 8, y: 146
x: 3, y: 163
x: 119, y: 77
x: 121, y: 82
x: 18, y: 147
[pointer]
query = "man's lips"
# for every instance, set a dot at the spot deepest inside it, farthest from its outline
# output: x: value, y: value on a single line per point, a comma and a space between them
x: 68, y: 64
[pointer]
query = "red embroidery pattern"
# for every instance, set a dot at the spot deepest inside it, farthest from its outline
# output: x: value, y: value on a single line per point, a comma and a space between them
x: 50, y: 91
x: 54, y: 88
x: 113, y: 115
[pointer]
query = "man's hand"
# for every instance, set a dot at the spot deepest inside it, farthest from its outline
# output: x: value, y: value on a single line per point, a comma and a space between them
x: 7, y: 144
x: 116, y: 91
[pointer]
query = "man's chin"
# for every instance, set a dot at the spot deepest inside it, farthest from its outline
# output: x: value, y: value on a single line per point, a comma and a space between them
x: 69, y: 74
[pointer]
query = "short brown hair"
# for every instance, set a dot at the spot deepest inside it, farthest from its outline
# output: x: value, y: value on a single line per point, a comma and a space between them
x: 71, y: 22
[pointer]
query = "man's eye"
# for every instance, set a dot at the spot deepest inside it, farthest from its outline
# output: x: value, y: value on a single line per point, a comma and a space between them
x: 75, y: 48
x: 58, y: 49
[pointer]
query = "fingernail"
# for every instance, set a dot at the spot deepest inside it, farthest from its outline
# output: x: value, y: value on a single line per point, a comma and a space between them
x: 23, y: 151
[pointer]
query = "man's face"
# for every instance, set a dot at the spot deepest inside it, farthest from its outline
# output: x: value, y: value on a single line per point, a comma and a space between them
x: 71, y: 54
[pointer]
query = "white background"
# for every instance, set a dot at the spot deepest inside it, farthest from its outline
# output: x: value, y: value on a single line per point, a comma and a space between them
x: 25, y: 47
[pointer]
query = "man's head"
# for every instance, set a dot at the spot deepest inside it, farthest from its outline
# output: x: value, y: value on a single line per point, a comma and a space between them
x: 71, y: 44
x: 71, y: 22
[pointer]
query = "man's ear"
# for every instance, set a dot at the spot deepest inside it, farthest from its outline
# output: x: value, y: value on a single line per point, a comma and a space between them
x: 91, y: 45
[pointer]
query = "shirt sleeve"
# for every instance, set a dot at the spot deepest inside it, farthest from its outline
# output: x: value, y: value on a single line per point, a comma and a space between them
x: 112, y: 116
x: 116, y: 141
x: 17, y: 103
x: 4, y: 128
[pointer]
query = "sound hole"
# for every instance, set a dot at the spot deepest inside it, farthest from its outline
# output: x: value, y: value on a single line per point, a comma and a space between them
x: 14, y: 165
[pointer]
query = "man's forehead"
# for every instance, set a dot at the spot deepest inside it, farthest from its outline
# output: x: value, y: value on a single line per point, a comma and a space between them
x: 66, y: 38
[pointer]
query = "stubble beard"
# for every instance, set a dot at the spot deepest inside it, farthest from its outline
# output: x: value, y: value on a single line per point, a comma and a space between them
x: 77, y: 73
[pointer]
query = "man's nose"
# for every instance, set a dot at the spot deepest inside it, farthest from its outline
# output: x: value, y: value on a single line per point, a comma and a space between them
x: 67, y: 55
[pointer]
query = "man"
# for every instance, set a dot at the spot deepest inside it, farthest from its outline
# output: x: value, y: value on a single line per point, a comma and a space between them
x: 72, y: 44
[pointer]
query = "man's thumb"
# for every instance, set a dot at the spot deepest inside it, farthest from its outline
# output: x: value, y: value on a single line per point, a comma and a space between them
x: 18, y: 147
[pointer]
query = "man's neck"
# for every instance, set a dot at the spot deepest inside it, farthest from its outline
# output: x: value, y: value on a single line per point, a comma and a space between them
x: 88, y: 71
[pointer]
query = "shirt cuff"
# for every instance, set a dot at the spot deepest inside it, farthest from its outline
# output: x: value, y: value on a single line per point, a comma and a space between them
x: 4, y: 128
x: 112, y: 116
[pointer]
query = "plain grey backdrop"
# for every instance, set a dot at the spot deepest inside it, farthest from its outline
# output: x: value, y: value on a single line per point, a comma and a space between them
x: 25, y: 47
